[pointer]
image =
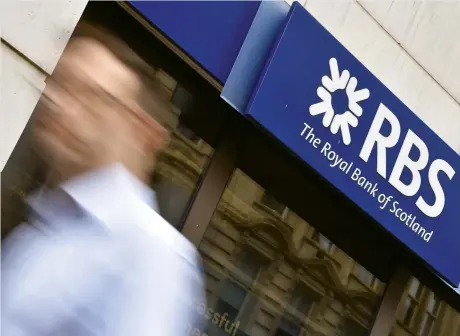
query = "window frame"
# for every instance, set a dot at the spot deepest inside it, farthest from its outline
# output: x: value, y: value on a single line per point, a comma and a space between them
x: 268, y: 197
x: 292, y: 313
x: 415, y: 299
x: 370, y: 284
x: 317, y: 238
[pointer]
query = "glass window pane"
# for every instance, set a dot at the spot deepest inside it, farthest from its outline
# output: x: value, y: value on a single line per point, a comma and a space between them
x: 181, y: 98
x: 352, y: 328
x: 364, y: 275
x: 232, y: 294
x: 180, y: 165
x: 425, y: 315
x: 287, y: 328
x: 294, y: 291
x: 188, y: 133
x: 408, y: 311
x: 249, y: 263
x: 272, y: 203
x: 415, y: 288
x: 433, y: 304
x: 426, y: 325
x: 223, y: 317
x: 323, y: 242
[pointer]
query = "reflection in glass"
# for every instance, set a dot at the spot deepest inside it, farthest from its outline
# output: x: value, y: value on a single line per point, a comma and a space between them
x: 351, y: 328
x: 180, y: 165
x: 410, y: 306
x: 364, y: 276
x: 272, y: 203
x: 323, y: 242
x: 265, y: 275
x: 421, y: 313
x: 415, y: 290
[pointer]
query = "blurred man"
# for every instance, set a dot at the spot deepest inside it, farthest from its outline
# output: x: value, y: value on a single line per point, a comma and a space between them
x: 95, y: 258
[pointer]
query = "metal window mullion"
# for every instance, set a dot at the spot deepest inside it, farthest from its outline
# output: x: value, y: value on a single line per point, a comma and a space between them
x: 386, y: 315
x: 212, y: 186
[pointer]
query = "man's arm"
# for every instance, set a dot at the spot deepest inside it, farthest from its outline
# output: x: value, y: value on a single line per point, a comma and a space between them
x: 163, y: 298
x: 29, y: 307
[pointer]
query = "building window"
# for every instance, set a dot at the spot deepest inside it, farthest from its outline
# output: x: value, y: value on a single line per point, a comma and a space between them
x: 429, y: 316
x: 188, y: 133
x: 303, y: 300
x: 223, y: 317
x: 300, y: 307
x: 352, y: 328
x: 422, y: 313
x: 287, y: 328
x: 411, y: 303
x: 273, y: 204
x: 324, y: 243
x: 410, y: 307
x: 181, y: 98
x: 249, y: 265
x: 266, y: 309
x: 233, y: 294
x: 365, y: 276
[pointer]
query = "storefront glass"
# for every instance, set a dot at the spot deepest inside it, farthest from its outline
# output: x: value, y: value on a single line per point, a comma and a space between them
x: 421, y: 313
x: 268, y: 272
x: 177, y: 170
x: 182, y: 162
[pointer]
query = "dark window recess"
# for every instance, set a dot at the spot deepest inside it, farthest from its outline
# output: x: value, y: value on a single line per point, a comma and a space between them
x: 352, y: 328
x: 429, y: 316
x: 287, y: 328
x: 225, y: 312
x: 411, y: 303
x: 188, y: 133
x: 302, y: 300
x: 409, y: 311
x: 250, y: 263
x: 182, y: 98
x: 325, y: 244
x: 273, y: 204
x: 172, y: 199
x: 364, y: 276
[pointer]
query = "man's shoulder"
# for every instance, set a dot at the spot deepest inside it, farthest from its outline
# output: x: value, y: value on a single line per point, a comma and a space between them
x: 156, y: 229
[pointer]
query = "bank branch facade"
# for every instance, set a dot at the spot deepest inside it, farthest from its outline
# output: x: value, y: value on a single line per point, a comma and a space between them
x: 320, y: 203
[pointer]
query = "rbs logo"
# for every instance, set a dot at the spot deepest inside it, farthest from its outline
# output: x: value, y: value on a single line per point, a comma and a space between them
x: 339, y: 120
x: 343, y: 121
x: 383, y: 143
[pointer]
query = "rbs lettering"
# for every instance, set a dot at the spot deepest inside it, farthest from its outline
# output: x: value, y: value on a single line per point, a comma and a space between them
x: 376, y: 139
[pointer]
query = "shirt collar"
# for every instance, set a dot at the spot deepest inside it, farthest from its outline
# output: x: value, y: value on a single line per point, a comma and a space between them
x: 97, y: 192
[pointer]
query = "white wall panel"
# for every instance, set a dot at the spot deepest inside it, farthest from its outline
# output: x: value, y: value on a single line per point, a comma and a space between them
x: 21, y: 87
x: 354, y: 27
x: 428, y: 30
x: 40, y: 29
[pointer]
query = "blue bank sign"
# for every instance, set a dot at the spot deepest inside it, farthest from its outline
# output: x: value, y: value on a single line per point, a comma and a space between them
x: 338, y: 117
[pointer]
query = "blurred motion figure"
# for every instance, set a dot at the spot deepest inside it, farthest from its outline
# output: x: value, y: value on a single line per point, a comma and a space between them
x: 95, y: 258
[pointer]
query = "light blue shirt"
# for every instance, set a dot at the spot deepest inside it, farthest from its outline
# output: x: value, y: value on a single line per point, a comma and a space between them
x: 96, y: 259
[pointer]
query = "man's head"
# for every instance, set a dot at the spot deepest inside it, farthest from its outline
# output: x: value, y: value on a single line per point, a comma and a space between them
x: 93, y: 110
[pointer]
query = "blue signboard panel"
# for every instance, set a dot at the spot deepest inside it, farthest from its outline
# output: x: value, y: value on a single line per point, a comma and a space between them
x: 211, y: 32
x: 253, y: 54
x: 322, y: 103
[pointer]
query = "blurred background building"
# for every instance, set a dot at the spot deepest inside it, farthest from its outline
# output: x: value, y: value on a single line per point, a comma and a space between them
x: 273, y: 266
